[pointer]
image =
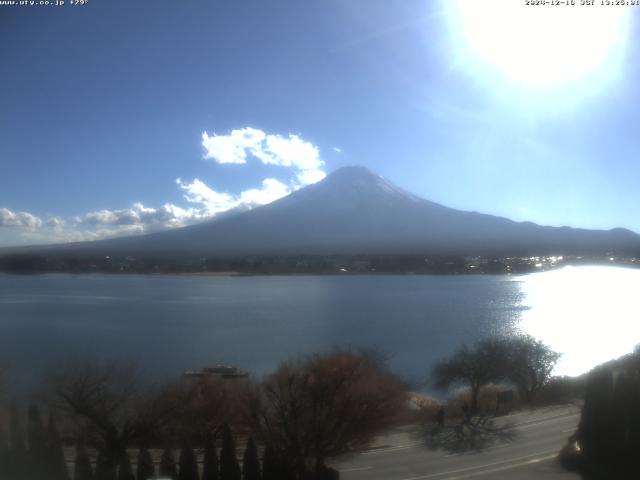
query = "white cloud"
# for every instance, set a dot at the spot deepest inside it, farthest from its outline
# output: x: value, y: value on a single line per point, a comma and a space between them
x: 232, y: 148
x: 309, y: 177
x: 102, y: 217
x: 337, y: 149
x: 55, y: 223
x: 291, y: 152
x: 271, y: 191
x: 212, y: 202
x: 24, y: 228
x: 19, y: 219
x: 166, y: 216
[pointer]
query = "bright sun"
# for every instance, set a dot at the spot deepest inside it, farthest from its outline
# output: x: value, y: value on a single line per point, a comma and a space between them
x: 540, y: 45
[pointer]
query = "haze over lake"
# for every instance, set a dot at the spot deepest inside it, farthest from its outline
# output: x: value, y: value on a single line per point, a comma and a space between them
x: 174, y: 323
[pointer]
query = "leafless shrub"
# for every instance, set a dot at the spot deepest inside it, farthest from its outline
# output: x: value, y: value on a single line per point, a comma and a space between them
x: 324, y: 405
x: 110, y: 408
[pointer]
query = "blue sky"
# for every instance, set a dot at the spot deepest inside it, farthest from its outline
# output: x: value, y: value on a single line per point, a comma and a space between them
x: 122, y: 117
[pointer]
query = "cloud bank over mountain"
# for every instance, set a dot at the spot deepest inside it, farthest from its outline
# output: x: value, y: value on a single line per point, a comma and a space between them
x: 241, y: 145
x: 289, y: 153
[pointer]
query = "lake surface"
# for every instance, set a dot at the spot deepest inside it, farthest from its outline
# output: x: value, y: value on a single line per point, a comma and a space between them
x: 173, y: 323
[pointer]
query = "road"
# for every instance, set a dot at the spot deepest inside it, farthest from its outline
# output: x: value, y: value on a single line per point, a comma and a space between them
x: 401, y: 455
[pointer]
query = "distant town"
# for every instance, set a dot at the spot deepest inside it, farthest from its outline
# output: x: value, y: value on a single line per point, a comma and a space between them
x: 303, y: 264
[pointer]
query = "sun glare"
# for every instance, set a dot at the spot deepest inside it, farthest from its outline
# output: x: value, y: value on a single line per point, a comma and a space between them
x: 587, y: 313
x: 539, y: 45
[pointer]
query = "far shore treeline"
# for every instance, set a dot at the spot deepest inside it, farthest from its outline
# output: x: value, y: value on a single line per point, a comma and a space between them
x: 301, y: 264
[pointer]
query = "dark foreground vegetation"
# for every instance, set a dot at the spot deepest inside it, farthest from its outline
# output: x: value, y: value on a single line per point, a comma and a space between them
x: 494, y: 376
x: 522, y: 361
x: 284, y: 427
x: 104, y: 423
x: 607, y: 442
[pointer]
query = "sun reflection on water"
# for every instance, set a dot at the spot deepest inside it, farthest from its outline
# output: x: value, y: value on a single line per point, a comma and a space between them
x: 591, y: 314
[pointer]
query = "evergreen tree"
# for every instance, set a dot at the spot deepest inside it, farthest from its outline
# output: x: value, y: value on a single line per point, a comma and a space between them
x: 145, y: 470
x: 210, y: 470
x: 596, y: 421
x: 609, y: 430
x: 623, y: 461
x: 4, y: 454
x: 269, y: 464
x: 286, y: 467
x: 104, y: 469
x: 101, y: 467
x: 56, y: 464
x: 327, y: 473
x: 634, y: 420
x: 188, y: 464
x: 125, y: 472
x: 82, y: 466
x: 250, y: 462
x: 18, y: 455
x: 38, y: 452
x: 229, y: 467
x: 168, y: 465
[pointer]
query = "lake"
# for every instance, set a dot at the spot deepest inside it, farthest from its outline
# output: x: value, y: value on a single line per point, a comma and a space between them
x: 169, y: 324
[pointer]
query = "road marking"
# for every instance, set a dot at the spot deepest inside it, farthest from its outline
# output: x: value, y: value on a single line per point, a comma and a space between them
x: 406, y: 446
x: 355, y: 469
x: 533, y: 423
x: 544, y: 413
x: 501, y: 469
x: 477, y: 467
x: 515, y: 429
x: 493, y: 447
x: 522, y: 426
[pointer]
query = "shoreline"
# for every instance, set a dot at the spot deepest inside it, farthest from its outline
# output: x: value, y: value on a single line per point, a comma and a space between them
x: 344, y: 273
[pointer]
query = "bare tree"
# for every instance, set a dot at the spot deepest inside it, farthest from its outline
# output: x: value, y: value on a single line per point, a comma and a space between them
x: 204, y: 405
x: 530, y: 365
x: 110, y: 408
x: 322, y: 406
x: 473, y: 367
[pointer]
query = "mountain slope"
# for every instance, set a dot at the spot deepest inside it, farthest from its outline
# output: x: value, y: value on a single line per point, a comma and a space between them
x: 355, y: 211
